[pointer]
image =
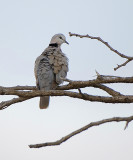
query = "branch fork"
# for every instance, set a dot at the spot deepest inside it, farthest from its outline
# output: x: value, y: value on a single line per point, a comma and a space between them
x: 107, y: 45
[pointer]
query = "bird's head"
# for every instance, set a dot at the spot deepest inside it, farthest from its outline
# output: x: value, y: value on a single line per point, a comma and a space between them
x: 58, y: 39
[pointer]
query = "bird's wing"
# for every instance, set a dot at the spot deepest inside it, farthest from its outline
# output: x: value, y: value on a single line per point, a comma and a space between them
x: 43, y: 73
x: 64, y: 69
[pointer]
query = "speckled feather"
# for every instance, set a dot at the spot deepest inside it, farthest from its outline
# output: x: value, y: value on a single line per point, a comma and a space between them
x: 50, y: 66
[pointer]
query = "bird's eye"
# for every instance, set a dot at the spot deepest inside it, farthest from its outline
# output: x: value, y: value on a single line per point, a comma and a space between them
x: 60, y: 37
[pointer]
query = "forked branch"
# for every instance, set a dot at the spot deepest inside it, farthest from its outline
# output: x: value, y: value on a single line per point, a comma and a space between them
x: 108, y: 45
x: 28, y: 92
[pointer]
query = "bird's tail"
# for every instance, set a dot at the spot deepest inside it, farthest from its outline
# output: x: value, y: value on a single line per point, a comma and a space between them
x: 44, y: 102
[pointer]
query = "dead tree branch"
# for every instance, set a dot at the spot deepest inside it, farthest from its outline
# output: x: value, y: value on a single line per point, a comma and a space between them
x: 19, y: 88
x: 5, y: 104
x: 92, y: 124
x: 123, y: 64
x: 108, y: 90
x: 28, y: 92
x: 92, y: 98
x: 108, y: 45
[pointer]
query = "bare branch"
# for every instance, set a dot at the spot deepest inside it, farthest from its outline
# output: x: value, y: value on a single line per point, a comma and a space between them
x: 66, y: 80
x: 106, y: 43
x: 108, y: 90
x: 5, y: 104
x: 27, y: 92
x: 92, y: 124
x: 20, y: 88
x: 101, y: 79
x: 80, y: 91
x: 123, y: 64
x: 105, y: 88
x: 127, y: 122
x: 85, y: 96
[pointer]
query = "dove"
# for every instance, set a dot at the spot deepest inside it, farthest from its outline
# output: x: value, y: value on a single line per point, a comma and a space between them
x: 50, y: 68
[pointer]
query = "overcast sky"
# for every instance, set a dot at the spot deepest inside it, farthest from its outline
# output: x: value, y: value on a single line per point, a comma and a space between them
x: 26, y: 28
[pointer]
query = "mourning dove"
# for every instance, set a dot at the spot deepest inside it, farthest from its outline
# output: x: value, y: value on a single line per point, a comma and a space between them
x: 50, y: 67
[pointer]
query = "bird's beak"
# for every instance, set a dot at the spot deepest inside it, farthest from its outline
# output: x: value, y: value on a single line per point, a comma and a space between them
x: 66, y: 42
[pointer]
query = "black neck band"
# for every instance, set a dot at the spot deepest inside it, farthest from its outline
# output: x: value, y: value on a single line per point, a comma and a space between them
x: 53, y: 44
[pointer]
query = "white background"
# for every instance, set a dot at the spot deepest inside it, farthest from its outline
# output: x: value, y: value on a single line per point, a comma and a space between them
x: 26, y: 28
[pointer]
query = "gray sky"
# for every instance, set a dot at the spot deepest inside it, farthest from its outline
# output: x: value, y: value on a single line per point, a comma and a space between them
x: 26, y: 28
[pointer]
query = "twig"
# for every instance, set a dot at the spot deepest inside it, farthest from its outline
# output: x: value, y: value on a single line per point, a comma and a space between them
x: 123, y: 64
x: 108, y: 90
x: 66, y: 80
x: 105, y: 77
x: 105, y: 88
x: 5, y: 104
x: 80, y: 91
x: 102, y: 79
x: 128, y: 121
x: 106, y: 43
x: 92, y: 124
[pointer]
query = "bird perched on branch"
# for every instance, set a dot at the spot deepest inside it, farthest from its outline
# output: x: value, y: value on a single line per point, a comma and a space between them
x: 50, y: 67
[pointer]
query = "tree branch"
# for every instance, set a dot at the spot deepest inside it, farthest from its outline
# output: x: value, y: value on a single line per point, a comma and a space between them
x: 19, y: 88
x: 123, y: 64
x: 5, y: 104
x: 100, y: 86
x: 92, y: 124
x: 108, y: 90
x: 28, y: 92
x: 106, y: 44
x: 101, y: 79
x: 84, y: 96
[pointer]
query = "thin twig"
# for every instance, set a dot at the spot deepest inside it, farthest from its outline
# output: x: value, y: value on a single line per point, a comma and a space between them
x: 123, y: 64
x: 108, y: 45
x: 66, y: 80
x: 79, y: 90
x: 105, y: 88
x: 128, y: 121
x: 5, y: 104
x: 92, y: 124
x: 104, y: 42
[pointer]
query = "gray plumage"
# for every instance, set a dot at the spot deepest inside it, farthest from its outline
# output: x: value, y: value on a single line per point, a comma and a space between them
x: 50, y: 66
